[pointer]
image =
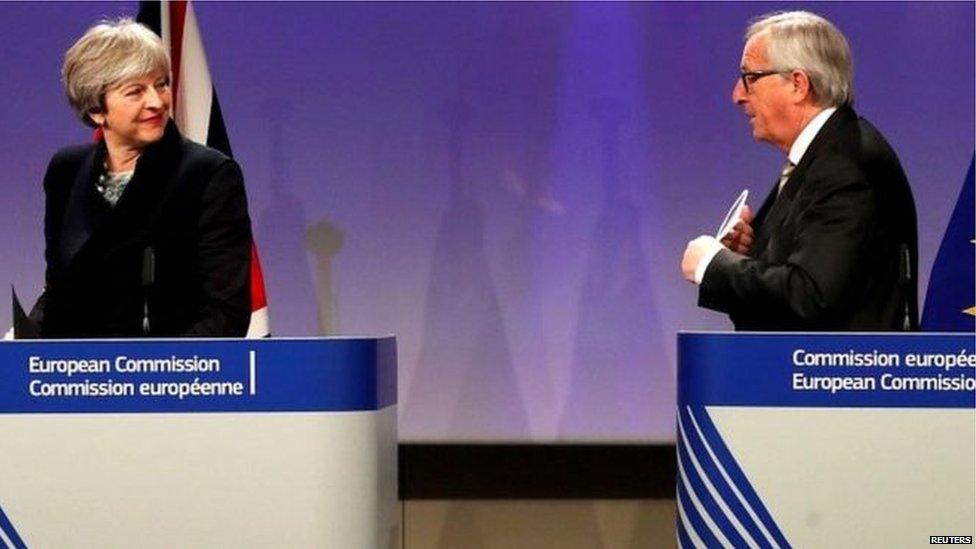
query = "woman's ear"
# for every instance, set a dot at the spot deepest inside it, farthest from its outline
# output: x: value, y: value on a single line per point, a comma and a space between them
x: 97, y: 117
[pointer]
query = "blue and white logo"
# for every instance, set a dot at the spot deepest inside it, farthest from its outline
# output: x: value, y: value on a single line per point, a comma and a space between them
x: 8, y: 535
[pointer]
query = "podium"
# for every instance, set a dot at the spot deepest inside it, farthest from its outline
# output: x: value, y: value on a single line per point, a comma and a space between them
x: 198, y: 443
x: 827, y: 440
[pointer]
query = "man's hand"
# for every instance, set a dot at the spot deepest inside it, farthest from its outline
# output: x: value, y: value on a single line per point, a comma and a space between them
x: 694, y: 252
x: 741, y: 237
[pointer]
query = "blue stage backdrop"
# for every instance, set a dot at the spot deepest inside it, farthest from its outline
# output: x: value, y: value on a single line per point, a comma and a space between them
x: 506, y: 187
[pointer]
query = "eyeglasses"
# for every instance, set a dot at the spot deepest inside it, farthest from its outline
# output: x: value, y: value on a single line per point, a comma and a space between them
x: 750, y: 77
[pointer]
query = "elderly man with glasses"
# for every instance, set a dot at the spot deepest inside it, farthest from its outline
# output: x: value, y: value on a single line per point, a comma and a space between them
x: 834, y: 245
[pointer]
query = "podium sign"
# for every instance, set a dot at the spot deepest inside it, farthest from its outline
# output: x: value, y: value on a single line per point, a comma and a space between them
x: 198, y: 443
x: 832, y: 440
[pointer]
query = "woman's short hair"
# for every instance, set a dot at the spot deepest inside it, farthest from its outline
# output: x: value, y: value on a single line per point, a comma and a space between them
x: 108, y: 54
x: 806, y: 41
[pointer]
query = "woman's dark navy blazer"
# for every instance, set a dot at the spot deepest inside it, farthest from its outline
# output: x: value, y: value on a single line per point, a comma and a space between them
x: 177, y: 244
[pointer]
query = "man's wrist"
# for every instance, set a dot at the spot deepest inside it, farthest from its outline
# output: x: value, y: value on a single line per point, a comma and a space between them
x: 713, y: 248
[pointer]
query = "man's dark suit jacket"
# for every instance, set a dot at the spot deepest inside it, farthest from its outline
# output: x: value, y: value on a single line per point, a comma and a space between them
x: 836, y: 250
x: 186, y: 202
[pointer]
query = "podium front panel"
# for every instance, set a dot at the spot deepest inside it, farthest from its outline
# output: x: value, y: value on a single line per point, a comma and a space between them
x: 198, y: 443
x: 828, y: 440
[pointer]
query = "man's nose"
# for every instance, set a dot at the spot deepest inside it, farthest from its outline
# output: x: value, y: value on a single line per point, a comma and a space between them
x: 739, y: 92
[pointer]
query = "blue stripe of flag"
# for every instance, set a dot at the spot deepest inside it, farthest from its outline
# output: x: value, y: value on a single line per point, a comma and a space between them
x: 951, y: 289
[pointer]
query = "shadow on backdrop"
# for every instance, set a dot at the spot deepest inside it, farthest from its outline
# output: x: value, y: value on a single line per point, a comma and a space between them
x: 281, y: 227
x: 618, y: 327
x: 464, y: 378
x: 517, y: 91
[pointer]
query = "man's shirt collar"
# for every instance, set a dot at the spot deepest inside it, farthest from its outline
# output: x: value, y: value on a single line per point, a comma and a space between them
x: 806, y: 136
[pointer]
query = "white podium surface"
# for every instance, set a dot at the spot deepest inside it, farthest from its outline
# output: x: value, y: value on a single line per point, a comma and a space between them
x: 231, y: 443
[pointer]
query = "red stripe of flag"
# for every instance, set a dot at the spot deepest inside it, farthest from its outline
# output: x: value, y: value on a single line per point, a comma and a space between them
x: 258, y: 298
x: 177, y: 16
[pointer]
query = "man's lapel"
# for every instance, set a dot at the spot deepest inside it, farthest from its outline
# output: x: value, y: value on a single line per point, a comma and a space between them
x: 773, y: 211
x: 780, y: 206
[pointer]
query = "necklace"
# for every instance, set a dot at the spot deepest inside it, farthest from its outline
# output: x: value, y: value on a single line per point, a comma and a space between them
x: 111, y: 185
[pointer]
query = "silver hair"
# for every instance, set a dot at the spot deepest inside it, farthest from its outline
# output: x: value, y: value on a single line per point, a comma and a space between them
x: 806, y: 41
x: 107, y: 55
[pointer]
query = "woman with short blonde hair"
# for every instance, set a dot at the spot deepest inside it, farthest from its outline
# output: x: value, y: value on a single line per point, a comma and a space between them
x: 147, y: 233
x: 108, y: 54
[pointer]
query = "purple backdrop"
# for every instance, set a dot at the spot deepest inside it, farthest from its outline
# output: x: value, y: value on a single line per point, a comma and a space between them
x: 506, y: 187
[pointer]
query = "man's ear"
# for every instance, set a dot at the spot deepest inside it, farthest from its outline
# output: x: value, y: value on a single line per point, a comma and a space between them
x: 801, y: 85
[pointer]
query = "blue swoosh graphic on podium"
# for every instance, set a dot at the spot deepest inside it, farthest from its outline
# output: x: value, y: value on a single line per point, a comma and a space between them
x: 8, y: 534
x: 717, y: 506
